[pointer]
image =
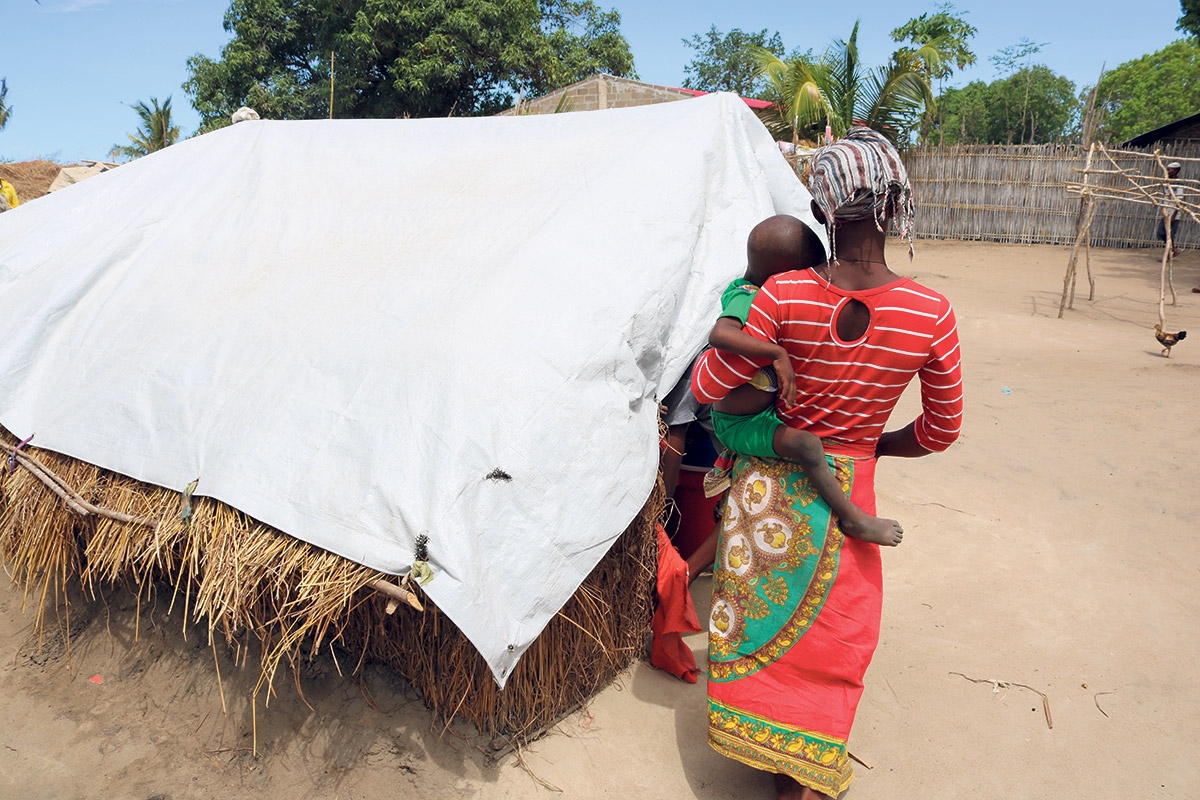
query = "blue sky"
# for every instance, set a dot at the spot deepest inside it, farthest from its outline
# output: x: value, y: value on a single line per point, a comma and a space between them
x: 75, y: 66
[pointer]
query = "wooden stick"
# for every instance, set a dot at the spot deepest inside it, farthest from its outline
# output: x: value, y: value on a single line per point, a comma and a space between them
x: 73, y: 499
x: 1082, y: 231
x: 1136, y: 154
x: 1089, y: 214
x: 1162, y: 277
x: 1087, y: 252
x: 397, y: 593
x: 1096, y: 700
x: 1002, y: 684
x: 52, y: 486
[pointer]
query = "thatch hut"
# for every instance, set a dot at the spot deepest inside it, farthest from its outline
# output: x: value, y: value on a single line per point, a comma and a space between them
x: 433, y: 351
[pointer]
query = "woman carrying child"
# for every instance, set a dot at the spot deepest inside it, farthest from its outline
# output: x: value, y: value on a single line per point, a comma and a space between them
x: 796, y: 604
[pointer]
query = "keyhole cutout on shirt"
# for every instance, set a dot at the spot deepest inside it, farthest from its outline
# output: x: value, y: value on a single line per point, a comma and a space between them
x: 853, y: 320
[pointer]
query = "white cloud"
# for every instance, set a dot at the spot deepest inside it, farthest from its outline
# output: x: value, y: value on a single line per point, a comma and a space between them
x: 69, y: 6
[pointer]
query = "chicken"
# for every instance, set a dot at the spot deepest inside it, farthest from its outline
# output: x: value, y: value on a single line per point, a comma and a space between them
x: 1168, y: 340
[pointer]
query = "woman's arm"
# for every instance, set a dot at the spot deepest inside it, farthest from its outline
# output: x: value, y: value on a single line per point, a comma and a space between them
x: 901, y: 444
x: 940, y: 421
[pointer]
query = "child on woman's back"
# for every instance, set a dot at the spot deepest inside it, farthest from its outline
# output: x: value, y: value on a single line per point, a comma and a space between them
x: 745, y: 421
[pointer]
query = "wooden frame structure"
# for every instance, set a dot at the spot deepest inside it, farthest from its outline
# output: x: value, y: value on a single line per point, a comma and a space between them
x: 1146, y: 183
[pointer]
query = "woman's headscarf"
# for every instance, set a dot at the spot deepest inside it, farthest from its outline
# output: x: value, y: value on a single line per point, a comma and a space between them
x: 861, y: 177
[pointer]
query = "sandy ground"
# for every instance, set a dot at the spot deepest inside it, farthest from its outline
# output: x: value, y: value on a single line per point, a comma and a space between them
x: 1052, y: 547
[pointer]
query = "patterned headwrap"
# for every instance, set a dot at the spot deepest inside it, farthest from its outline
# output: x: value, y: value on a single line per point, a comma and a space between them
x: 861, y: 177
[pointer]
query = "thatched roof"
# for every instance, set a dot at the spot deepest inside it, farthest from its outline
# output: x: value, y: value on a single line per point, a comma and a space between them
x: 31, y: 179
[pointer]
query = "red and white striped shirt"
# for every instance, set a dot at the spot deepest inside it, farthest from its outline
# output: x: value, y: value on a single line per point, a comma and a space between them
x: 845, y: 391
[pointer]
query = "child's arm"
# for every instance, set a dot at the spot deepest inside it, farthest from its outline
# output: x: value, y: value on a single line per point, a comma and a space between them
x: 728, y: 335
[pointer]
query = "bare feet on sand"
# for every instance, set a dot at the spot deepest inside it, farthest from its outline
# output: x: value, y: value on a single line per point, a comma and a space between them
x: 788, y: 789
x: 885, y: 532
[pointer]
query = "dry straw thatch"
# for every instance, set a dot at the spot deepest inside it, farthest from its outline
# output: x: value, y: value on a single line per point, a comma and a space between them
x: 31, y: 179
x: 1019, y: 193
x: 67, y: 526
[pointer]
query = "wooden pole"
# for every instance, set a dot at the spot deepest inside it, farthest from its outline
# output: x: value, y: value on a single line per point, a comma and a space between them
x: 1087, y: 242
x: 1166, y: 259
x: 1089, y: 116
x: 1162, y: 278
x: 1086, y: 209
x: 1086, y: 234
x: 1087, y: 252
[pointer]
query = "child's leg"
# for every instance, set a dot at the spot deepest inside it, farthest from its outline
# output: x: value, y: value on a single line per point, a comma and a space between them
x: 806, y: 450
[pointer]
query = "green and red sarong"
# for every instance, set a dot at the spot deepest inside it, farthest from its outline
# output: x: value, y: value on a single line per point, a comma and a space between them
x: 794, y: 622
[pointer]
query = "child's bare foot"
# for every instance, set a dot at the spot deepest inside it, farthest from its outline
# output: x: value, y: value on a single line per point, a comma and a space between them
x: 886, y: 532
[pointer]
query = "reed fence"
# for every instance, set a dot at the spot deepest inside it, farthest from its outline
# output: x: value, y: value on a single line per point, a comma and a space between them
x: 1018, y: 193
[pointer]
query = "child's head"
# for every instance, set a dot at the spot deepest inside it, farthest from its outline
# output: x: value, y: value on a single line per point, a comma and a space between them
x: 778, y: 244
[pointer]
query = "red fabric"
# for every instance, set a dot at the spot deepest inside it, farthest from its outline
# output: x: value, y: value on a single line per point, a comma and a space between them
x: 816, y: 686
x: 845, y: 391
x: 753, y: 102
x: 675, y: 614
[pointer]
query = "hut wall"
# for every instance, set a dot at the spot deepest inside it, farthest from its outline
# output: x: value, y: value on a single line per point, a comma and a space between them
x: 1002, y: 193
x: 601, y: 92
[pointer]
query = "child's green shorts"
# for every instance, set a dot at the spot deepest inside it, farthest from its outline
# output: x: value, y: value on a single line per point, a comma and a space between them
x: 748, y: 434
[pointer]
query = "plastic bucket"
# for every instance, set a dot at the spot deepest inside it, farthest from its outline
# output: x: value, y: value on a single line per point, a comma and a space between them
x: 695, y: 511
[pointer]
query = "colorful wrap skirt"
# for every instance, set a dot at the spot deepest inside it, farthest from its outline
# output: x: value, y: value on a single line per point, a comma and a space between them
x: 794, y: 622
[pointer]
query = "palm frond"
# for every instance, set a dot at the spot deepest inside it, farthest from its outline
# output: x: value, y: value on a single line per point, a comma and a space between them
x: 796, y: 89
x: 836, y: 90
x: 892, y: 100
x: 155, y: 132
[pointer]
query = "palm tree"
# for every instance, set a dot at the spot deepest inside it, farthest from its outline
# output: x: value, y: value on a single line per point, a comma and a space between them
x: 942, y: 44
x: 837, y: 91
x: 156, y: 132
x: 5, y: 108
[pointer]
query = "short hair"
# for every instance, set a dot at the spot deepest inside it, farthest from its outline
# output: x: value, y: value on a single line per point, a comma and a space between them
x: 781, y: 243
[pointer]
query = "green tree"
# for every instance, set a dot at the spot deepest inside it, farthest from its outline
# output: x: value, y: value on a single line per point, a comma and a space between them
x: 1190, y: 21
x: 1011, y: 61
x: 965, y: 114
x: 948, y: 32
x: 395, y: 58
x: 579, y: 40
x: 1047, y: 102
x: 838, y: 91
x: 155, y: 133
x: 727, y: 63
x: 1149, y: 92
x: 984, y: 113
x: 5, y: 108
x: 940, y: 43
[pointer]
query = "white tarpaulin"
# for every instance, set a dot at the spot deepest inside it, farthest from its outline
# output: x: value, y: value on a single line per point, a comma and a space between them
x: 341, y: 327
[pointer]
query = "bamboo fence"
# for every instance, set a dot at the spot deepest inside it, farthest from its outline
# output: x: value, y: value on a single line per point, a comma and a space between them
x: 1019, y: 193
